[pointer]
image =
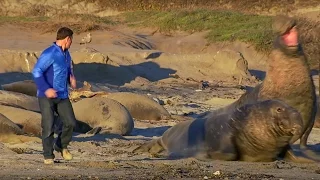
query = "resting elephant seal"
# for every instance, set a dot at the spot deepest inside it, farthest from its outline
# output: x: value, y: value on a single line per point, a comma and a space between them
x: 27, y: 87
x: 19, y: 100
x: 28, y: 121
x: 254, y: 132
x: 104, y: 115
x: 140, y: 106
x: 9, y: 127
x: 13, y: 133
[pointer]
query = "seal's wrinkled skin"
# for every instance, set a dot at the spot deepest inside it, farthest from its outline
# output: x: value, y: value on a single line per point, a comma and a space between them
x: 254, y: 132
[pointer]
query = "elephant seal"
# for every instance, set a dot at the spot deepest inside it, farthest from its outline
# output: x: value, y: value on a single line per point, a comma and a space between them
x: 104, y: 115
x: 13, y: 133
x: 254, y: 132
x: 27, y: 87
x: 9, y: 127
x: 288, y: 78
x: 19, y: 100
x: 140, y: 106
x: 317, y: 122
x: 28, y: 121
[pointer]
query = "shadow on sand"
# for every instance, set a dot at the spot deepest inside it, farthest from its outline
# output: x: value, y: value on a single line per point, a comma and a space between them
x: 104, y: 73
x: 10, y: 77
x: 258, y: 74
x: 149, y: 132
x: 113, y: 75
x: 97, y: 138
x: 314, y: 72
x: 146, y: 132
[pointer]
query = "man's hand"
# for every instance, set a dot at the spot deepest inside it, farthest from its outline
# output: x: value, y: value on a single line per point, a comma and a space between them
x: 51, y: 93
x: 73, y: 82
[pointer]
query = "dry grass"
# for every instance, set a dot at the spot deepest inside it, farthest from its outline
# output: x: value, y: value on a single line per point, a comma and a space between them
x: 243, y: 5
x: 170, y: 15
x: 78, y: 22
x: 222, y: 25
x: 227, y: 26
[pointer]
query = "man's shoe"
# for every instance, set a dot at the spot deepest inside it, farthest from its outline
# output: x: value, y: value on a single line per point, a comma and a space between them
x: 48, y: 161
x: 66, y: 154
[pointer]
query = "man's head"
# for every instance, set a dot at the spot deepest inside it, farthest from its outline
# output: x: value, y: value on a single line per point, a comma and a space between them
x: 285, y: 27
x: 64, y: 37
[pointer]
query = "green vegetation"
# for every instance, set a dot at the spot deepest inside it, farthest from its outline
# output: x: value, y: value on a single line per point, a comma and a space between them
x: 238, y: 5
x: 87, y: 18
x: 226, y: 26
x: 222, y: 25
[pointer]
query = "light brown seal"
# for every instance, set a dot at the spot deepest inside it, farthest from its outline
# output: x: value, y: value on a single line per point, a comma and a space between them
x: 13, y: 133
x: 107, y: 115
x: 140, y: 106
x: 28, y: 121
x: 9, y: 127
x: 254, y: 132
x: 27, y: 87
x: 19, y: 100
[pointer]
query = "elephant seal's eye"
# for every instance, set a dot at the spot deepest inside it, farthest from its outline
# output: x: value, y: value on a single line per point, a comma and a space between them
x: 279, y: 109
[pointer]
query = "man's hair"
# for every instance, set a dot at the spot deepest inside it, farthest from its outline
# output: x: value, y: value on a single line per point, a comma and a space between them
x: 63, y: 33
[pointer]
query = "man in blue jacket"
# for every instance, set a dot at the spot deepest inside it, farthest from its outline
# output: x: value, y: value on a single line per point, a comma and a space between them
x: 52, y: 73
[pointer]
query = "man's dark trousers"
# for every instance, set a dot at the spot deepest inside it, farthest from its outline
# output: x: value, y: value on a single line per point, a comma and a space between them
x: 66, y: 115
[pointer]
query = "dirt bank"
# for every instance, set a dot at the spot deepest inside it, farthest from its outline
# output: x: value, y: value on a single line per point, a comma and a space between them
x: 168, y: 68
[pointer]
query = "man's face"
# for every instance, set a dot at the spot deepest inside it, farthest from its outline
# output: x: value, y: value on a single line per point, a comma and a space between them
x: 68, y: 41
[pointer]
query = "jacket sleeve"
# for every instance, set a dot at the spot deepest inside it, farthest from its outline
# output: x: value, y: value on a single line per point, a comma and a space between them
x: 70, y: 67
x: 43, y: 63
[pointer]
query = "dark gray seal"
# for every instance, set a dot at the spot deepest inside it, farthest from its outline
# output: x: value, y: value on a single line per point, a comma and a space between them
x: 254, y: 132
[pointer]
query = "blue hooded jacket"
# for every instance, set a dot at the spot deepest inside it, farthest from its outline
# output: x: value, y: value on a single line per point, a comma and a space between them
x: 53, y: 70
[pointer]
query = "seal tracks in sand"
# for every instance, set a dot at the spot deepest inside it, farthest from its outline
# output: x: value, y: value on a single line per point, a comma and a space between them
x: 136, y: 42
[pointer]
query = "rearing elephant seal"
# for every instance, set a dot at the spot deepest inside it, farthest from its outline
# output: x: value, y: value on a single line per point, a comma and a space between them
x: 254, y: 132
x: 288, y: 78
